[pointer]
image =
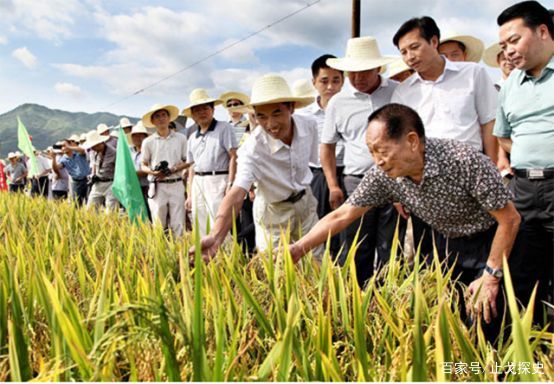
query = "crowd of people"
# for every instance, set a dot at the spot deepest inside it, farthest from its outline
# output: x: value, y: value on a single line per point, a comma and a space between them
x: 465, y: 159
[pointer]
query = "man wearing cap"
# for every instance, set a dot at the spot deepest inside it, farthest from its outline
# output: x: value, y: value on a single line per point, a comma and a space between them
x: 232, y: 100
x: 164, y: 156
x: 102, y: 158
x: 212, y: 148
x: 525, y: 129
x: 74, y: 160
x: 277, y: 158
x: 346, y: 121
x: 138, y: 134
x: 16, y: 173
x: 461, y: 48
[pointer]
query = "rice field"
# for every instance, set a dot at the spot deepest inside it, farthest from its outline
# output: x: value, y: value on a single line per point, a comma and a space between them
x: 87, y: 296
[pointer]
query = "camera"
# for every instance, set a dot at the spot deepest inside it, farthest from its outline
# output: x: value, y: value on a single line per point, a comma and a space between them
x: 93, y: 179
x: 57, y: 146
x: 163, y: 167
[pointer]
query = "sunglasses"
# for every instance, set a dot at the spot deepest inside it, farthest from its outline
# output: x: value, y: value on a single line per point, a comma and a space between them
x: 234, y: 104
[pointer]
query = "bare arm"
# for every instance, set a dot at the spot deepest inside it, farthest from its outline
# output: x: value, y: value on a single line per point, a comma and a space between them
x: 329, y: 225
x: 232, y: 165
x: 485, y: 289
x: 329, y: 165
x: 505, y: 143
x: 490, y: 144
x: 76, y: 148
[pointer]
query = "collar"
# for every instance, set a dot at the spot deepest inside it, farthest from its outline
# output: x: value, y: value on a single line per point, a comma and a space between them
x: 315, y: 108
x: 157, y: 135
x: 523, y: 76
x: 210, y: 128
x: 431, y: 167
x: 448, y: 66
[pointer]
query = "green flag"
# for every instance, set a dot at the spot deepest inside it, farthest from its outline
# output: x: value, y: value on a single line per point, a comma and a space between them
x: 24, y: 143
x: 126, y: 186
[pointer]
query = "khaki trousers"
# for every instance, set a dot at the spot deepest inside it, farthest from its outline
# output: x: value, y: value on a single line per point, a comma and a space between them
x: 272, y: 218
x: 207, y: 194
x: 169, y: 201
x: 101, y: 195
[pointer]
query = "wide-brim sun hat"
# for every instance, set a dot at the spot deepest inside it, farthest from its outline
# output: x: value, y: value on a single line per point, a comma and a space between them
x: 139, y: 128
x: 12, y: 155
x: 362, y: 54
x: 171, y: 109
x: 125, y: 123
x: 101, y: 128
x: 490, y: 56
x: 74, y: 137
x: 225, y: 97
x: 397, y: 67
x: 197, y: 97
x: 83, y: 137
x: 303, y: 88
x: 18, y: 154
x: 94, y: 138
x: 271, y: 89
x: 474, y: 46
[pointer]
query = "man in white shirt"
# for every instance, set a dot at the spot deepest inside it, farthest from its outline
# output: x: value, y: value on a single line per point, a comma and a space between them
x: 346, y: 121
x: 212, y: 149
x: 277, y: 158
x: 164, y: 156
x: 39, y: 182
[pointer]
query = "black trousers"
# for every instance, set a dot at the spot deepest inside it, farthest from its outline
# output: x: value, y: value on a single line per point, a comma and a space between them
x: 39, y: 186
x: 17, y: 187
x: 320, y: 189
x: 246, y: 231
x: 59, y: 195
x: 80, y: 190
x: 376, y: 232
x: 534, y: 200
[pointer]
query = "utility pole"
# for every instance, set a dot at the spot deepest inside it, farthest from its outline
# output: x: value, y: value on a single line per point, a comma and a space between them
x: 356, y: 18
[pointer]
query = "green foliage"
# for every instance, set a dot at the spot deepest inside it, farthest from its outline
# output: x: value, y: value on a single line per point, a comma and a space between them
x: 90, y: 296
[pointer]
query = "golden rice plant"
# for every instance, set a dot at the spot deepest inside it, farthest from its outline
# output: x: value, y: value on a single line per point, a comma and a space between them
x: 90, y: 296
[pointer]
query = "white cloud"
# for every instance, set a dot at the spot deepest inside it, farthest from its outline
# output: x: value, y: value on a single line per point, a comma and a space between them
x: 68, y: 89
x: 25, y: 57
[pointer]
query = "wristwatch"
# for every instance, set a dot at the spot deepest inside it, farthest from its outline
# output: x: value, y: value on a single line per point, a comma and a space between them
x: 498, y: 273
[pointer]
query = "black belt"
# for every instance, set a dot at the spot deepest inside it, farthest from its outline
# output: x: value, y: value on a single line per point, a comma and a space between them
x: 104, y: 180
x: 535, y: 174
x: 169, y: 181
x: 296, y: 196
x: 211, y: 173
x: 356, y: 176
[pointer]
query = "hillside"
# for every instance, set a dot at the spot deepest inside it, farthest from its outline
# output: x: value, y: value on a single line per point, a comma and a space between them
x: 47, y: 126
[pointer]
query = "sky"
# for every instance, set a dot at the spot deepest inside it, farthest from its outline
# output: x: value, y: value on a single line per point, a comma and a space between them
x: 94, y: 55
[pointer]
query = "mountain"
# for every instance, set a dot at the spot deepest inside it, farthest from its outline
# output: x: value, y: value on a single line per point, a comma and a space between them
x: 46, y: 126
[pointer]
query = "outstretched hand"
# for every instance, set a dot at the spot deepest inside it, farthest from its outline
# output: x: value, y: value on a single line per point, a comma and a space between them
x: 482, y: 301
x: 209, y: 246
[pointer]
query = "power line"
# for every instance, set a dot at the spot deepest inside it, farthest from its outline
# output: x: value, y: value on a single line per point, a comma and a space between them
x: 215, y: 53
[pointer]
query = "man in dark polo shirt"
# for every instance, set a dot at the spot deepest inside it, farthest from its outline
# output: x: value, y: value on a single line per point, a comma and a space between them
x: 451, y: 186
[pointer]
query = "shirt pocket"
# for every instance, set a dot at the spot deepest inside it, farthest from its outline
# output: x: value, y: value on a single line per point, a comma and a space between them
x: 460, y: 107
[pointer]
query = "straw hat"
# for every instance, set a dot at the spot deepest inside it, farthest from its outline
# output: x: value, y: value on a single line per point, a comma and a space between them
x: 74, y: 138
x: 124, y: 123
x: 94, y: 138
x: 474, y: 46
x: 199, y: 96
x: 83, y: 137
x: 101, y: 128
x: 225, y: 97
x: 171, y: 109
x: 490, y: 56
x: 270, y: 89
x: 397, y: 67
x: 362, y: 54
x: 303, y: 88
x: 12, y: 155
x: 139, y: 128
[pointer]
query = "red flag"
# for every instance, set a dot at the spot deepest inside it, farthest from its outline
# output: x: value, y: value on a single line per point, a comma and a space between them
x: 3, y: 182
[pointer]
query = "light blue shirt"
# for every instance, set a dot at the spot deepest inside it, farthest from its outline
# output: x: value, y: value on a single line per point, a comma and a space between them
x: 77, y: 165
x: 526, y: 115
x: 210, y: 151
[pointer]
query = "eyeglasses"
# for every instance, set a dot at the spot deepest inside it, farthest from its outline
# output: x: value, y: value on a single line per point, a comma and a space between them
x: 234, y: 104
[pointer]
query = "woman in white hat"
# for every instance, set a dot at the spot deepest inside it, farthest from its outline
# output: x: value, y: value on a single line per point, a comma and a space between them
x: 277, y: 158
x: 163, y: 158
x: 212, y: 147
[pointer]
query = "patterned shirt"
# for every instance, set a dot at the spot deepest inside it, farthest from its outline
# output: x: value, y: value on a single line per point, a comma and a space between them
x: 460, y: 186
